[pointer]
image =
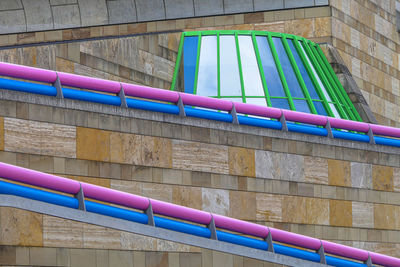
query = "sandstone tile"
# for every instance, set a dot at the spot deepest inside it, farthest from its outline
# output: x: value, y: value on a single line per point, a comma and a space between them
x: 157, y: 151
x: 127, y: 186
x: 199, y: 157
x: 340, y: 213
x: 302, y: 27
x: 120, y: 258
x: 43, y: 256
x: 317, y: 211
x: 222, y: 259
x: 41, y: 163
x: 382, y: 178
x: 363, y: 214
x: 241, y: 161
x: 384, y: 216
x: 126, y: 148
x: 59, y: 232
x: 187, y: 196
x: 100, y: 237
x: 289, y: 167
x: 316, y: 170
x: 8, y: 255
x: 171, y: 176
x: 21, y: 255
x: 361, y: 175
x: 322, y: 27
x: 396, y: 179
x: 39, y: 138
x: 264, y: 164
x: 339, y: 172
x: 293, y: 209
x: 1, y: 133
x: 139, y: 258
x: 242, y: 205
x: 83, y: 257
x: 63, y: 257
x: 156, y: 259
x: 164, y: 245
x: 215, y: 201
x: 92, y: 144
x: 158, y: 191
x: 132, y: 241
x: 20, y: 228
x: 268, y: 207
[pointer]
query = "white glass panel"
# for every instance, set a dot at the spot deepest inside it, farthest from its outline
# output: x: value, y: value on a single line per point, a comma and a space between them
x: 229, y: 70
x: 233, y: 99
x: 257, y: 101
x: 207, y: 77
x: 251, y: 73
x: 321, y: 85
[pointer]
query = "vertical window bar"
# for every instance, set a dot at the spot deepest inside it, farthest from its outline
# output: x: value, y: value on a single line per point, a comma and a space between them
x: 260, y: 67
x: 306, y: 63
x: 218, y: 68
x: 177, y: 63
x: 347, y: 100
x: 324, y: 79
x: 280, y: 71
x: 240, y: 67
x: 339, y: 98
x: 197, y: 65
x: 298, y: 75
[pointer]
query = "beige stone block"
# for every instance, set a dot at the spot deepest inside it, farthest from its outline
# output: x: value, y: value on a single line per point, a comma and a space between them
x: 316, y: 170
x: 382, y: 178
x: 127, y: 186
x: 139, y: 258
x: 363, y: 214
x: 302, y: 27
x: 59, y: 232
x: 92, y: 144
x: 173, y: 259
x: 284, y: 14
x: 187, y: 196
x: 132, y: 241
x: 120, y: 258
x: 158, y: 191
x: 100, y: 237
x: 242, y: 161
x: 384, y: 216
x: 64, y: 65
x: 43, y: 256
x: 1, y: 133
x: 157, y: 151
x: 21, y: 255
x: 156, y: 259
x: 318, y: 12
x: 83, y: 257
x: 215, y: 201
x: 396, y: 179
x: 322, y: 27
x: 126, y: 148
x: 340, y: 213
x: 339, y: 172
x: 39, y: 138
x: 222, y: 259
x: 268, y: 207
x: 317, y: 211
x: 199, y: 157
x: 20, y: 228
x: 164, y: 245
x: 242, y: 205
x: 293, y: 209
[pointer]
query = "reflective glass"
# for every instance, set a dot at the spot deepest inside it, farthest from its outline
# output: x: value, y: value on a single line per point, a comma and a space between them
x: 280, y: 103
x: 189, y: 62
x: 301, y: 105
x: 207, y: 77
x: 229, y: 69
x: 291, y: 79
x: 238, y: 99
x: 251, y: 74
x: 303, y: 71
x: 257, y: 101
x: 271, y: 74
x: 320, y: 108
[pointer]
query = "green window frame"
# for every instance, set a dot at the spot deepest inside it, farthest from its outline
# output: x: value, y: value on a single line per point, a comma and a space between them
x: 334, y: 99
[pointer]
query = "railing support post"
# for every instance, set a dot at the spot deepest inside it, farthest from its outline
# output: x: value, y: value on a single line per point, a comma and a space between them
x: 329, y: 129
x: 268, y: 239
x: 150, y: 214
x: 368, y: 262
x: 371, y: 136
x: 321, y: 253
x: 57, y: 85
x: 181, y: 107
x: 81, y: 198
x: 233, y: 112
x: 212, y: 228
x: 282, y: 119
x: 121, y: 95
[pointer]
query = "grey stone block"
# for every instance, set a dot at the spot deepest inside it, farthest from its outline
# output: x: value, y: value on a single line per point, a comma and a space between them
x: 208, y: 7
x: 63, y: 257
x: 62, y: 2
x: 10, y: 4
x: 121, y: 11
x: 178, y: 9
x: 261, y: 5
x: 66, y: 16
x: 298, y: 3
x: 120, y: 258
x: 102, y: 258
x: 237, y: 6
x: 264, y: 164
x: 93, y: 12
x: 12, y: 21
x: 150, y: 10
x: 83, y: 257
x: 38, y: 15
x: 43, y: 256
x: 361, y: 175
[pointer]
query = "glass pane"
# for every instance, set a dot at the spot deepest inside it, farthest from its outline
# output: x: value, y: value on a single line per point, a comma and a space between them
x: 251, y: 74
x: 280, y: 103
x: 301, y: 105
x: 229, y: 70
x: 189, y: 62
x: 233, y: 99
x: 257, y: 101
x: 207, y: 77
x: 320, y: 108
x: 271, y: 74
x: 334, y: 110
x: 291, y: 79
x: 303, y: 71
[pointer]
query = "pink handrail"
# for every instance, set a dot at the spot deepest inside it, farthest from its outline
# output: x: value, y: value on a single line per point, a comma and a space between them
x: 345, y: 251
x: 206, y: 102
x: 256, y: 110
x: 28, y: 73
x: 150, y: 92
x: 240, y: 226
x: 89, y: 83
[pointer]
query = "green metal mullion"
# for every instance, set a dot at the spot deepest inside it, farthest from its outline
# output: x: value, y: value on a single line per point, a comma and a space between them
x: 280, y: 71
x: 300, y: 51
x: 264, y: 81
x: 323, y: 77
x: 240, y: 68
x: 196, y: 75
x: 178, y: 62
x: 298, y: 75
x: 339, y: 85
x: 218, y: 67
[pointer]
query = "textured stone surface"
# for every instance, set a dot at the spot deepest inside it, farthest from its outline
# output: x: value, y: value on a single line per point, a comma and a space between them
x: 361, y: 175
x: 57, y: 232
x: 92, y: 144
x: 340, y: 213
x: 363, y: 215
x: 264, y: 164
x: 93, y: 12
x: 293, y: 209
x: 12, y: 21
x: 384, y: 216
x: 317, y: 211
x: 1, y: 133
x: 157, y: 151
x: 66, y: 16
x: 268, y: 207
x: 382, y: 178
x: 121, y: 11
x: 241, y: 161
x: 242, y: 205
x: 126, y: 148
x: 339, y: 172
x: 316, y: 170
x: 39, y: 138
x: 215, y: 201
x: 38, y: 15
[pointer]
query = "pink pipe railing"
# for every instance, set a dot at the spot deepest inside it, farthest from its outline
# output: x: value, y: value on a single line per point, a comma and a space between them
x: 49, y: 76
x: 65, y: 185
